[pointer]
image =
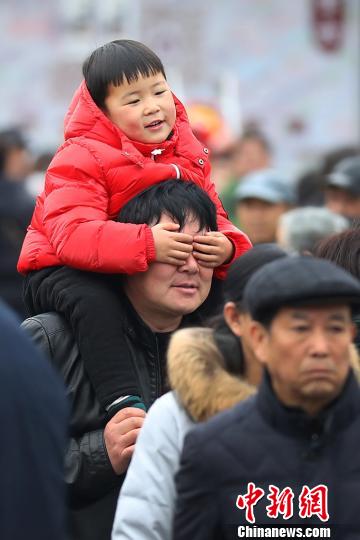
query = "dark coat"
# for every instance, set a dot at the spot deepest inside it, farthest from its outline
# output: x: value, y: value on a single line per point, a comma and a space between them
x: 263, y: 442
x: 93, y: 485
x: 16, y: 207
x: 33, y: 419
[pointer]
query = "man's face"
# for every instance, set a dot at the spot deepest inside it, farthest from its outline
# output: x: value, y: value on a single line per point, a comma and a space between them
x: 342, y: 202
x: 259, y: 219
x: 144, y: 109
x: 164, y: 293
x: 250, y: 156
x: 306, y: 351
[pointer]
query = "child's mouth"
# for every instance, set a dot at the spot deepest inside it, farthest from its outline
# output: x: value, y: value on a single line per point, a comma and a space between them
x: 154, y: 125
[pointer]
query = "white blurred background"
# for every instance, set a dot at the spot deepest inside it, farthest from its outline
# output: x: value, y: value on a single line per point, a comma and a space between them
x: 289, y: 67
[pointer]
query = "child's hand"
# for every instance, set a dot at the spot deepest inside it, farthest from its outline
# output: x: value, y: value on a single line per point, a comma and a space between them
x: 212, y: 249
x: 171, y: 246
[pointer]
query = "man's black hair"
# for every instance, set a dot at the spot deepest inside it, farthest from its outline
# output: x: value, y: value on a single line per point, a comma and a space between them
x: 179, y: 199
x: 115, y: 62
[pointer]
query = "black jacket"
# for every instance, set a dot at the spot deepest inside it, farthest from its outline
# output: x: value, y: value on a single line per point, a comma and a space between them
x: 263, y: 442
x: 93, y: 485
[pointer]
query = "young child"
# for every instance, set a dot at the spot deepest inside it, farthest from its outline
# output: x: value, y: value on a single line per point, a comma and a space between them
x: 124, y: 131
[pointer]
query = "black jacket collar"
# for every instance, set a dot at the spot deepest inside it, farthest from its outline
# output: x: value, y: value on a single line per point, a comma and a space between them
x: 139, y: 330
x: 295, y: 422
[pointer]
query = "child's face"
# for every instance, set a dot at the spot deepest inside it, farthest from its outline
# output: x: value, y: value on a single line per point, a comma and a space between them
x: 144, y: 109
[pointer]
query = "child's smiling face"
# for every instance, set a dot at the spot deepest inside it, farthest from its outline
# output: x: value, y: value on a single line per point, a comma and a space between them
x: 144, y: 109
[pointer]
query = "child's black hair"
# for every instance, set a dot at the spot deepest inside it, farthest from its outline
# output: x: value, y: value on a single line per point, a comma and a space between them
x: 115, y: 62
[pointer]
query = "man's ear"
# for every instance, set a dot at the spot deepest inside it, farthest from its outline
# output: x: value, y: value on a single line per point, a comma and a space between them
x: 259, y: 337
x: 232, y: 318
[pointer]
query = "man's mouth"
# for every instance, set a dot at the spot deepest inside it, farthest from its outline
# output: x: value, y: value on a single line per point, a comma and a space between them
x: 186, y: 288
x: 189, y: 286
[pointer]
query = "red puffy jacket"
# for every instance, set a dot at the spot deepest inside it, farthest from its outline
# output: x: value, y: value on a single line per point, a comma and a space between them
x: 92, y: 175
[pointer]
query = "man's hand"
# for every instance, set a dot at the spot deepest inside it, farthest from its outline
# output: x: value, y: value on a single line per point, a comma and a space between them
x: 120, y: 436
x: 171, y: 246
x: 212, y: 249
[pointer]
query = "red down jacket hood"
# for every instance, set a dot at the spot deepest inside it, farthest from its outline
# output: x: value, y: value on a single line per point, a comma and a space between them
x: 92, y: 175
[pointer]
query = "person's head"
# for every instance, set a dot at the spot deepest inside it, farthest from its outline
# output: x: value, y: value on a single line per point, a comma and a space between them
x: 204, y: 380
x: 343, y: 249
x: 261, y: 198
x: 235, y: 319
x: 127, y: 82
x: 15, y: 158
x: 302, y: 328
x: 342, y: 188
x: 164, y: 293
x: 251, y: 152
x: 300, y: 229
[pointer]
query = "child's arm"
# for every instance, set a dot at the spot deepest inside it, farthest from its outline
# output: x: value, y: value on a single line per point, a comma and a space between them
x: 76, y: 217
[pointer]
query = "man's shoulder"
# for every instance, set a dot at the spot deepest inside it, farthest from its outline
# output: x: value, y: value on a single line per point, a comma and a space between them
x: 50, y: 332
x: 224, y: 424
x: 49, y: 323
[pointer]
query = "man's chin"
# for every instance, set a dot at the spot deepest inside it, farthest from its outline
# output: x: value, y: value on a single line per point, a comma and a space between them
x: 320, y: 389
x: 185, y: 309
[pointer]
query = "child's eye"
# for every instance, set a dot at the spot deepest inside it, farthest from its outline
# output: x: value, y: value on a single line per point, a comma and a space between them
x: 160, y: 92
x: 134, y: 101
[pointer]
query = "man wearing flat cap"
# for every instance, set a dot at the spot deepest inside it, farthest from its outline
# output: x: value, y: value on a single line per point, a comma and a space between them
x: 342, y: 188
x: 289, y: 456
x: 261, y: 198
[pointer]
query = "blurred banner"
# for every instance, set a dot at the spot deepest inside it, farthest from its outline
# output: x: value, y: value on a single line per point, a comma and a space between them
x: 290, y: 67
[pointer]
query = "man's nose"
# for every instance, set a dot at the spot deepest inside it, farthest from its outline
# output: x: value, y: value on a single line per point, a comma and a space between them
x: 191, y: 265
x: 319, y: 344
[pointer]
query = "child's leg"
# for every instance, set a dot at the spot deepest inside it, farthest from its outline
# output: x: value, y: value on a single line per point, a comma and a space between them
x: 90, y: 305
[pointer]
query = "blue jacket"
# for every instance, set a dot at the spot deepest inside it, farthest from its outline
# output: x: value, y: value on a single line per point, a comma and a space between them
x: 263, y: 442
x: 33, y: 420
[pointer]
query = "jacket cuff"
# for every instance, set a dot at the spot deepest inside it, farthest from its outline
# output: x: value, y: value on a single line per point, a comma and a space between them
x: 241, y: 245
x: 150, y: 245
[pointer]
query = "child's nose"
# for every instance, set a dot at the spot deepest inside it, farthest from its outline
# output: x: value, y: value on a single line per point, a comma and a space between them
x: 151, y: 106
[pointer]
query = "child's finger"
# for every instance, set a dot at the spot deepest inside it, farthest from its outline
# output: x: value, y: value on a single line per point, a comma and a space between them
x: 168, y: 226
x: 183, y: 238
x: 205, y: 257
x: 205, y: 248
x: 185, y: 248
x: 181, y: 255
x: 211, y: 240
x: 208, y: 264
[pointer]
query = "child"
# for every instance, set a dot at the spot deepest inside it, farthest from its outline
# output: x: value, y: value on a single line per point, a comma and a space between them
x: 124, y: 131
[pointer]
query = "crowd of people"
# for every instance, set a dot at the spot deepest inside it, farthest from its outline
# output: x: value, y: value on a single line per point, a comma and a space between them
x: 195, y: 354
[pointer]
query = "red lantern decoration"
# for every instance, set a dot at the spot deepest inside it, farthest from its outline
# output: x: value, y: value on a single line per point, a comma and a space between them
x: 328, y: 22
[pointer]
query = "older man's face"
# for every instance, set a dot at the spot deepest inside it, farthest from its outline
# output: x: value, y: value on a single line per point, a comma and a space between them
x: 164, y: 293
x: 306, y: 351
